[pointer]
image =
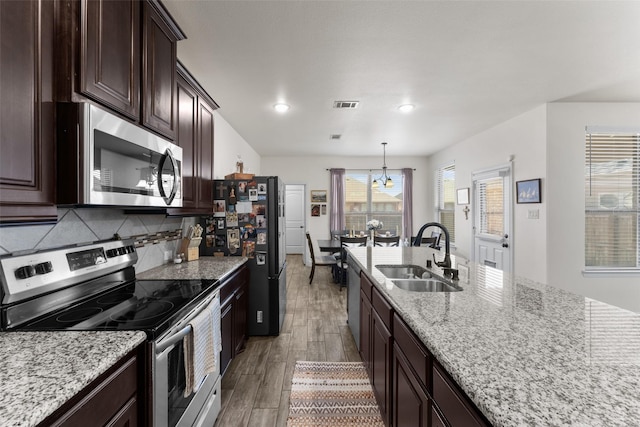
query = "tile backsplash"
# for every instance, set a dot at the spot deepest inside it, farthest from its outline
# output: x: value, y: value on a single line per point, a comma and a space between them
x: 91, y: 224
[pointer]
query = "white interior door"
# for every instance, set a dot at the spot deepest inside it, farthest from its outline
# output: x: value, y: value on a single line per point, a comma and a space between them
x: 294, y: 218
x: 492, y: 203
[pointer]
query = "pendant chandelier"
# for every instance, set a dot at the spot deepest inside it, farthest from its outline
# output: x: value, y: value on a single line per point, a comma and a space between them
x: 384, y: 179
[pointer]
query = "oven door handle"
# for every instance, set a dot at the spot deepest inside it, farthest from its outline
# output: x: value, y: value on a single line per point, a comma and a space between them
x: 176, y: 180
x: 168, y: 342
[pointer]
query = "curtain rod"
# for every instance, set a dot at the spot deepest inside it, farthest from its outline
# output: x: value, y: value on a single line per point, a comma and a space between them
x: 371, y: 169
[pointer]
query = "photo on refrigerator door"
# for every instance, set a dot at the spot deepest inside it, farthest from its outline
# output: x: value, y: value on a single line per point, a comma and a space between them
x: 219, y: 208
x: 262, y: 237
x: 249, y: 249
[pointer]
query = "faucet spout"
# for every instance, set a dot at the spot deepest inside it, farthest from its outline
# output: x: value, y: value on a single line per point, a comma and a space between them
x: 447, y: 242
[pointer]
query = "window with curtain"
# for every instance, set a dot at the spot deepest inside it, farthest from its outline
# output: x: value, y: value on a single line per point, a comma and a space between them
x: 446, y: 198
x: 612, y: 190
x: 363, y: 203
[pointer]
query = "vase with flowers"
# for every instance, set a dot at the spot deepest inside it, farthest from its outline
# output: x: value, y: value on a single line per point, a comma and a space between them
x: 372, y: 226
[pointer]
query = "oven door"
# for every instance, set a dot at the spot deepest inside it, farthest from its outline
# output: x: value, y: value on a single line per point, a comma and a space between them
x: 171, y: 407
x: 128, y: 165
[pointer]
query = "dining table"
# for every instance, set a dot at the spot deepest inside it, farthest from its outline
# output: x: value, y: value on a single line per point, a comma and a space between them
x: 329, y: 245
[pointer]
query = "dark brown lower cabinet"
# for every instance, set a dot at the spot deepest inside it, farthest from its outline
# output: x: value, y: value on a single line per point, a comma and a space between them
x: 410, y: 402
x: 454, y: 405
x: 365, y: 330
x: 233, y: 324
x: 113, y: 399
x: 375, y: 344
x: 411, y: 388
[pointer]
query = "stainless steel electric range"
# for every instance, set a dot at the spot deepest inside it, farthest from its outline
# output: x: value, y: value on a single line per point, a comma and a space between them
x: 93, y: 287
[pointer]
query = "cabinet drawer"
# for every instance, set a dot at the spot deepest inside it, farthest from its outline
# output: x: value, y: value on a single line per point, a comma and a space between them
x: 108, y: 400
x: 232, y: 283
x: 418, y: 357
x: 384, y: 309
x: 452, y: 402
x: 366, y: 286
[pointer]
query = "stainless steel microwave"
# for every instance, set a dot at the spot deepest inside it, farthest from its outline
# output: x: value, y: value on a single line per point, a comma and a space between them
x: 106, y: 160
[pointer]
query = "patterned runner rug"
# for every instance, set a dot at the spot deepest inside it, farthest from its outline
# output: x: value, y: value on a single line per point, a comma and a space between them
x: 329, y: 394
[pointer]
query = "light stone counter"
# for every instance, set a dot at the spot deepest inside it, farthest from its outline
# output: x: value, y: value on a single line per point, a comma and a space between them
x: 525, y: 353
x: 40, y: 371
x: 207, y: 267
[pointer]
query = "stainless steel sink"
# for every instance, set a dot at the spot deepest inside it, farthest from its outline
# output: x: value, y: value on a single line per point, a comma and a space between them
x: 425, y: 285
x: 403, y: 271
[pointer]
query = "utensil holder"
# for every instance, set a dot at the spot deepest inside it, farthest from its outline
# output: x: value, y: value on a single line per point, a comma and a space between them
x: 191, y: 248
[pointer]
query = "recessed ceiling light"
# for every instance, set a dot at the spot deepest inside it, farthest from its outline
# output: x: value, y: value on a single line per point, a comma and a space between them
x: 406, y: 108
x: 281, y: 108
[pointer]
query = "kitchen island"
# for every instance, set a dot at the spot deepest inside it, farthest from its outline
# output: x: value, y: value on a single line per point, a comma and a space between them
x: 41, y: 371
x: 525, y: 354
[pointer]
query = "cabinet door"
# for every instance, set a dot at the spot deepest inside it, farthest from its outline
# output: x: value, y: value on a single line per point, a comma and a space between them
x: 453, y: 403
x: 205, y: 159
x: 410, y: 402
x: 380, y: 373
x: 110, y: 54
x: 159, y: 56
x: 226, y: 327
x: 240, y: 317
x: 365, y: 331
x: 27, y: 162
x: 187, y: 139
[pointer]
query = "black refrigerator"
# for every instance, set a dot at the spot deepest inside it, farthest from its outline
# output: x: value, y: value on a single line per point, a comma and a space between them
x: 248, y: 221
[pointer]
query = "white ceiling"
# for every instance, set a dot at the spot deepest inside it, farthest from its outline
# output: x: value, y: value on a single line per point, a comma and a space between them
x: 466, y: 65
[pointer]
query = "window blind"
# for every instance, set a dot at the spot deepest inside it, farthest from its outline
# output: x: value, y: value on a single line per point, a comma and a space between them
x: 612, y: 190
x: 446, y: 198
x: 491, y: 206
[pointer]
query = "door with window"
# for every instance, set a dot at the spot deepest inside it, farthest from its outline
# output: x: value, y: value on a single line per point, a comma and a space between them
x: 492, y: 217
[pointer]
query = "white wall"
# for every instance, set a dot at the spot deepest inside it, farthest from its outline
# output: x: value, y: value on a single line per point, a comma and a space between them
x: 524, y: 138
x: 565, y: 195
x: 227, y: 146
x: 313, y: 172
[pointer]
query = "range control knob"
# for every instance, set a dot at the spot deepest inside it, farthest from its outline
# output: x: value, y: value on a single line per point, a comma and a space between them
x: 44, y: 268
x: 26, y: 272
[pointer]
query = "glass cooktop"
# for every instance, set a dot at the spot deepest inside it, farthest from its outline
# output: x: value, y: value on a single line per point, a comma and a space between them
x: 147, y: 305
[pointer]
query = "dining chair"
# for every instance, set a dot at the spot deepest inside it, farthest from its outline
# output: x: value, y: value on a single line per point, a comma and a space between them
x: 341, y: 268
x: 321, y: 261
x: 386, y: 240
x: 432, y: 242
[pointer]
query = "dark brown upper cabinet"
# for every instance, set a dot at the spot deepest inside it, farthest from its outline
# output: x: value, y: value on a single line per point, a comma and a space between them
x: 195, y: 130
x: 126, y: 61
x: 159, y: 58
x: 27, y: 113
x: 110, y: 54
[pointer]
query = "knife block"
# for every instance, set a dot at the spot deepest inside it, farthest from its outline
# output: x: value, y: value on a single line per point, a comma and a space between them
x: 191, y: 248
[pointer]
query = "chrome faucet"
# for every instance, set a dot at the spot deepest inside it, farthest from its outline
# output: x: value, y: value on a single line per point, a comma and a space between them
x: 446, y: 264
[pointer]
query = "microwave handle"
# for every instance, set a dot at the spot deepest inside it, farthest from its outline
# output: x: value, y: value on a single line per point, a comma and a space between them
x: 174, y: 189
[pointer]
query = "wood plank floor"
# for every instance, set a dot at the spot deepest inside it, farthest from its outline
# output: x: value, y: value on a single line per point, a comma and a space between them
x: 256, y: 387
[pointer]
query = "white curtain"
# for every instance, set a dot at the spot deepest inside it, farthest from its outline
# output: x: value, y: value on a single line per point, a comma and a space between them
x: 336, y: 212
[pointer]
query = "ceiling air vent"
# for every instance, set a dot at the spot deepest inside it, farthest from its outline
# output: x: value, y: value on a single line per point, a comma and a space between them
x: 335, y: 137
x: 346, y: 104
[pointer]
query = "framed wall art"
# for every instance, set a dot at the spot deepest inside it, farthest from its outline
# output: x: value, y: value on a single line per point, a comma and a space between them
x: 318, y: 196
x: 528, y: 191
x: 462, y: 196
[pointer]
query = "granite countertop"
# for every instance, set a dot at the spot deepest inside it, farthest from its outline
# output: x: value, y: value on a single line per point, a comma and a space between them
x: 40, y: 371
x: 527, y: 354
x: 208, y: 267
